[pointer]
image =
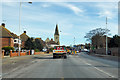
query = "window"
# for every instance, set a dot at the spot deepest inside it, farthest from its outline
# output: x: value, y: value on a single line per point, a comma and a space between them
x: 15, y: 40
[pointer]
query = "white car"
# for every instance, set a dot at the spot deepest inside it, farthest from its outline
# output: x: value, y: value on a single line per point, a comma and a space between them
x: 86, y: 50
x: 44, y: 50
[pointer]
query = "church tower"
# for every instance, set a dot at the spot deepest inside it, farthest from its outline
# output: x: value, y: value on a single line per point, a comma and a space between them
x: 56, y: 35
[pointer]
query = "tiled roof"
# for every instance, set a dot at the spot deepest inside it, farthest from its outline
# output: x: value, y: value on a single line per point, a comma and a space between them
x: 5, y: 32
x: 42, y: 42
x: 14, y: 35
x: 24, y: 37
x: 51, y: 42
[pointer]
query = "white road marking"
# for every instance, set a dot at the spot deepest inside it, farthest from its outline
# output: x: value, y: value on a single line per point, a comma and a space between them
x: 98, y: 69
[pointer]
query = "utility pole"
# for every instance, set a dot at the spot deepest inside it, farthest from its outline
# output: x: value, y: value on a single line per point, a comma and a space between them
x: 106, y: 38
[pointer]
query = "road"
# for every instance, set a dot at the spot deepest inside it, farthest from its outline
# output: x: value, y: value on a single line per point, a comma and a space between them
x: 75, y: 66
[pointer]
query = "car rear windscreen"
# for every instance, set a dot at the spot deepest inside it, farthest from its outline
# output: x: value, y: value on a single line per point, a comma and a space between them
x: 59, y: 48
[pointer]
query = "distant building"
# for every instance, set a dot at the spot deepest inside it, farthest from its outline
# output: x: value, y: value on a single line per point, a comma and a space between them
x: 51, y: 43
x: 100, y: 42
x: 24, y: 37
x: 80, y: 46
x: 47, y: 40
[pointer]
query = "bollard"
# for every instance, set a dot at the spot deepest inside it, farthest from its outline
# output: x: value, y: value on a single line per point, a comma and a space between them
x: 72, y: 52
x: 75, y: 52
x: 29, y: 52
x: 14, y: 51
x: 3, y: 53
x: 10, y: 53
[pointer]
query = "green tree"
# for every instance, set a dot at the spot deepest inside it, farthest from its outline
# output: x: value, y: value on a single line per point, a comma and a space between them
x: 38, y: 44
x: 7, y: 49
x: 115, y: 41
x: 29, y: 44
x: 87, y: 46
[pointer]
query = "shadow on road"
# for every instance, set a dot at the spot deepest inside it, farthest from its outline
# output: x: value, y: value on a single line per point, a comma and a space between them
x: 45, y: 58
x: 42, y: 57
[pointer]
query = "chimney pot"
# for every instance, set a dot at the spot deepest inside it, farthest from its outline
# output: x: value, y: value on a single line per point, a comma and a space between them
x: 24, y: 31
x: 51, y: 39
x: 3, y: 24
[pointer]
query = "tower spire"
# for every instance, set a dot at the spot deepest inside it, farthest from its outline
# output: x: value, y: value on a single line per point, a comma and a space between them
x: 56, y: 30
x: 56, y: 35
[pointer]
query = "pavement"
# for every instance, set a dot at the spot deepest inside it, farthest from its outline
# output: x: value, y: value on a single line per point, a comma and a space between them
x: 75, y: 66
x: 11, y: 64
x: 108, y: 57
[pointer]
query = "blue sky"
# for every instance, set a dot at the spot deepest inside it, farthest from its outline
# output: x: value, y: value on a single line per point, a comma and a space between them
x: 74, y: 19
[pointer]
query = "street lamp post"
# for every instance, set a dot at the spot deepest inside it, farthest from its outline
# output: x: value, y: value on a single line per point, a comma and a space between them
x: 106, y: 38
x: 74, y: 40
x: 19, y: 41
x: 19, y: 27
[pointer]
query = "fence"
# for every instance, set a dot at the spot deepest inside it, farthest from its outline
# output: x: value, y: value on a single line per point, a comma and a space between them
x: 15, y: 53
x: 22, y: 53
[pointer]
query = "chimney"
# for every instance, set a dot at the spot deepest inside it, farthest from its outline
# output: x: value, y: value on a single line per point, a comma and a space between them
x: 3, y: 24
x: 25, y: 32
x: 51, y: 39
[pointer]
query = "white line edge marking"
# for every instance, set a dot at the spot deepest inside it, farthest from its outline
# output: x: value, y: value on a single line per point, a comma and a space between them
x: 98, y: 69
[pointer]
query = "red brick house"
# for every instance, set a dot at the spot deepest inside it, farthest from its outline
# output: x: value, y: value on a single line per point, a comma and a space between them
x: 6, y: 37
x: 24, y: 37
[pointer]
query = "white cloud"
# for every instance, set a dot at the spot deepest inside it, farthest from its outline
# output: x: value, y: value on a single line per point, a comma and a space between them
x: 106, y: 14
x: 46, y: 5
x: 74, y: 8
x: 107, y: 10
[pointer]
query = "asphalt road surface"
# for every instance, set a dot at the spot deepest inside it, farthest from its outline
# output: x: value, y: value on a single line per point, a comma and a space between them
x: 75, y: 66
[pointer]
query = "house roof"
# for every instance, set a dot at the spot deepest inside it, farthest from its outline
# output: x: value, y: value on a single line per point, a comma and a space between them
x: 56, y: 30
x: 5, y: 32
x: 51, y: 42
x: 42, y: 42
x: 47, y: 40
x: 14, y: 35
x: 24, y: 37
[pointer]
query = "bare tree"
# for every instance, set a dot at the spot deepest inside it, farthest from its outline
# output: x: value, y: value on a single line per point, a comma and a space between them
x: 94, y: 36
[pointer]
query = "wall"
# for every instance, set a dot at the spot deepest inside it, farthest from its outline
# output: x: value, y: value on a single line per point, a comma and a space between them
x: 7, y: 42
x: 13, y: 54
x: 23, y: 44
x: 37, y: 53
x: 114, y: 51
